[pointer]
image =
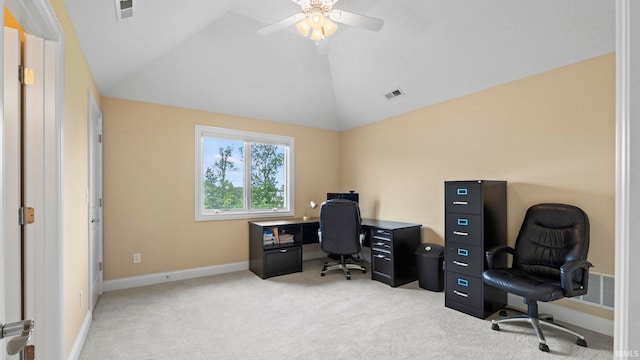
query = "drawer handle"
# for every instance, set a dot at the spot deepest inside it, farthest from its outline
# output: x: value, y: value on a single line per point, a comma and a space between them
x: 382, y: 257
x: 284, y: 250
x: 460, y: 233
x: 463, y: 282
x: 460, y: 293
x: 463, y: 222
x: 460, y: 203
x: 463, y: 252
x: 460, y: 263
x: 462, y: 191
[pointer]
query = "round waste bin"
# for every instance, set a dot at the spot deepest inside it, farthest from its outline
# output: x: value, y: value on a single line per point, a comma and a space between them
x: 430, y: 260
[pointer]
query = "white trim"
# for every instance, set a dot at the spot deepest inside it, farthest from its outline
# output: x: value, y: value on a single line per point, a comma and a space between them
x: 159, y: 278
x: 74, y: 354
x: 569, y: 316
x: 38, y: 18
x: 623, y: 153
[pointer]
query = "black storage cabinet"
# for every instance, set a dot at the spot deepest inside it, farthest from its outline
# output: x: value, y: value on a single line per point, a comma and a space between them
x: 430, y: 260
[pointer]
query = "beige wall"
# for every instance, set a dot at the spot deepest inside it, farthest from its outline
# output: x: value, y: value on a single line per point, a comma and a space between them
x: 149, y: 187
x: 551, y: 136
x: 77, y: 81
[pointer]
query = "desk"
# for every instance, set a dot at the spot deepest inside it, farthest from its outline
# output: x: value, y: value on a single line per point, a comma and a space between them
x: 392, y: 248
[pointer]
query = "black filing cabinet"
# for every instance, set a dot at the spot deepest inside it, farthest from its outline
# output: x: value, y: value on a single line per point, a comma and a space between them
x: 475, y: 221
x: 392, y: 251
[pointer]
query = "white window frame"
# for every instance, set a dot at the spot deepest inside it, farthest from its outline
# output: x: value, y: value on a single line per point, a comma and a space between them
x: 202, y: 132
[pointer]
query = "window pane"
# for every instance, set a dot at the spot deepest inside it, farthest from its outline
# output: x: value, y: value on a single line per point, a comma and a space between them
x: 267, y: 176
x: 223, y: 174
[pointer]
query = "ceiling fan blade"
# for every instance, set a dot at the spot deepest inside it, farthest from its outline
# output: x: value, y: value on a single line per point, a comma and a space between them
x: 279, y: 25
x: 349, y: 18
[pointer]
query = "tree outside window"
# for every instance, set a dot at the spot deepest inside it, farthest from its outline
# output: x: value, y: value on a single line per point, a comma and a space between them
x: 242, y: 174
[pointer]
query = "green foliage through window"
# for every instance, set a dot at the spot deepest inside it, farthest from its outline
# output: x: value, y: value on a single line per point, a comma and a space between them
x: 241, y: 174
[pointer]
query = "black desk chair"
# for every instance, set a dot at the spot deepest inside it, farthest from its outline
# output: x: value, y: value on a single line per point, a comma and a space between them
x: 340, y: 235
x: 549, y: 263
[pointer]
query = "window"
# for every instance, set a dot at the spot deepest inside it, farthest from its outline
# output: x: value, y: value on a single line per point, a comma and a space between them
x: 242, y: 174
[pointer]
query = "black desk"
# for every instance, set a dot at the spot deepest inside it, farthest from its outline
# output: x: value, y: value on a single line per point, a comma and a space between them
x: 392, y: 248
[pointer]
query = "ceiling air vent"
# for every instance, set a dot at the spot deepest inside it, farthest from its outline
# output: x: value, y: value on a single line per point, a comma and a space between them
x: 124, y: 9
x: 394, y: 94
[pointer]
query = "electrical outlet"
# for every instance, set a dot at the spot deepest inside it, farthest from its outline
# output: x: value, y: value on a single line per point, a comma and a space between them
x: 137, y: 258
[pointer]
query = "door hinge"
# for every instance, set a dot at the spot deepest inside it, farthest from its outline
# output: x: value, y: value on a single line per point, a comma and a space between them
x: 27, y: 75
x: 100, y: 265
x: 26, y: 215
x: 99, y: 138
x: 100, y: 202
x: 29, y: 352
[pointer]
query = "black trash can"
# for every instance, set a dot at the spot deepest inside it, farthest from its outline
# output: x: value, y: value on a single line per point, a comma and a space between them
x: 430, y: 260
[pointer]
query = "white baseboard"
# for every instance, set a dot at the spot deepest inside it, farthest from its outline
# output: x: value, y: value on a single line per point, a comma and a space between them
x: 158, y: 278
x: 74, y: 354
x: 569, y: 316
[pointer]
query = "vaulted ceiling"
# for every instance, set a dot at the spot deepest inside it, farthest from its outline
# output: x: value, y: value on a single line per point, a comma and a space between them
x: 207, y: 55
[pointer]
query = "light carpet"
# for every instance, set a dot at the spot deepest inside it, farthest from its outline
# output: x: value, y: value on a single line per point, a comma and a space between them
x: 306, y: 316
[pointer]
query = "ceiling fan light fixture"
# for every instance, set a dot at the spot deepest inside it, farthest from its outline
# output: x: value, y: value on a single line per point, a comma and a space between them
x: 329, y: 27
x: 316, y: 17
x: 316, y: 34
x: 303, y: 27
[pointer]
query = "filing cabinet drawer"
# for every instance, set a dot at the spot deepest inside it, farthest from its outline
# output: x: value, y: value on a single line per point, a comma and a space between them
x: 381, y: 235
x: 381, y: 262
x: 464, y: 228
x: 463, y: 197
x: 464, y: 259
x: 283, y: 261
x: 464, y: 289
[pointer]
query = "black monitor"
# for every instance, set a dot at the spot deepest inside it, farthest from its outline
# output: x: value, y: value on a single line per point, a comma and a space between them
x: 351, y: 195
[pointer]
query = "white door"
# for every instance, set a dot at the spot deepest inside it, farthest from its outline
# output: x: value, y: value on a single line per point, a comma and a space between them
x: 10, y: 253
x: 42, y: 186
x: 95, y: 202
x: 23, y: 164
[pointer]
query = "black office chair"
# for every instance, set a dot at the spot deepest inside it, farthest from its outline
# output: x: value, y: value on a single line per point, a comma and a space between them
x: 549, y: 263
x: 340, y: 234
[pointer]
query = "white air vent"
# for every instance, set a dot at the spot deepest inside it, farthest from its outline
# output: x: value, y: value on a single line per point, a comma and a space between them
x: 124, y: 9
x: 601, y: 291
x: 393, y: 94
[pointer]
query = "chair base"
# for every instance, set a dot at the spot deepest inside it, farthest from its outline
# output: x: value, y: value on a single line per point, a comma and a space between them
x: 536, y: 321
x: 342, y: 265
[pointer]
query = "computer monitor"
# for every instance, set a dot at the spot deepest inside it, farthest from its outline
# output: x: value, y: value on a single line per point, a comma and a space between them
x: 351, y: 195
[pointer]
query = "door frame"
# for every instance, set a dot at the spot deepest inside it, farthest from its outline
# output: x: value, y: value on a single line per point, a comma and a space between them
x: 95, y: 243
x: 38, y: 18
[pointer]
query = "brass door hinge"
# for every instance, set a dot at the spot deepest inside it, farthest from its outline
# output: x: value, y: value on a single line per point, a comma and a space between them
x: 29, y: 352
x: 27, y: 75
x: 26, y: 215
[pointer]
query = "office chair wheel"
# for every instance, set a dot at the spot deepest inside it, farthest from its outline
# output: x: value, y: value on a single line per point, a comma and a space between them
x: 495, y: 327
x: 348, y: 277
x: 503, y: 312
x: 364, y: 271
x: 322, y: 274
x: 543, y: 347
x: 581, y: 342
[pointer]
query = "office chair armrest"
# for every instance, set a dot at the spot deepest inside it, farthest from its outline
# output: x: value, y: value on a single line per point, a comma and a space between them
x: 567, y: 274
x: 495, y: 251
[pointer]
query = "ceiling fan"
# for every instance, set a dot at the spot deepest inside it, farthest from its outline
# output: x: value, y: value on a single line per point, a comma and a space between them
x: 315, y: 20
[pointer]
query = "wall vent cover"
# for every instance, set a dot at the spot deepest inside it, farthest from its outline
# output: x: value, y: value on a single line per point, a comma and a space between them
x: 601, y: 291
x: 124, y: 9
x: 394, y: 94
